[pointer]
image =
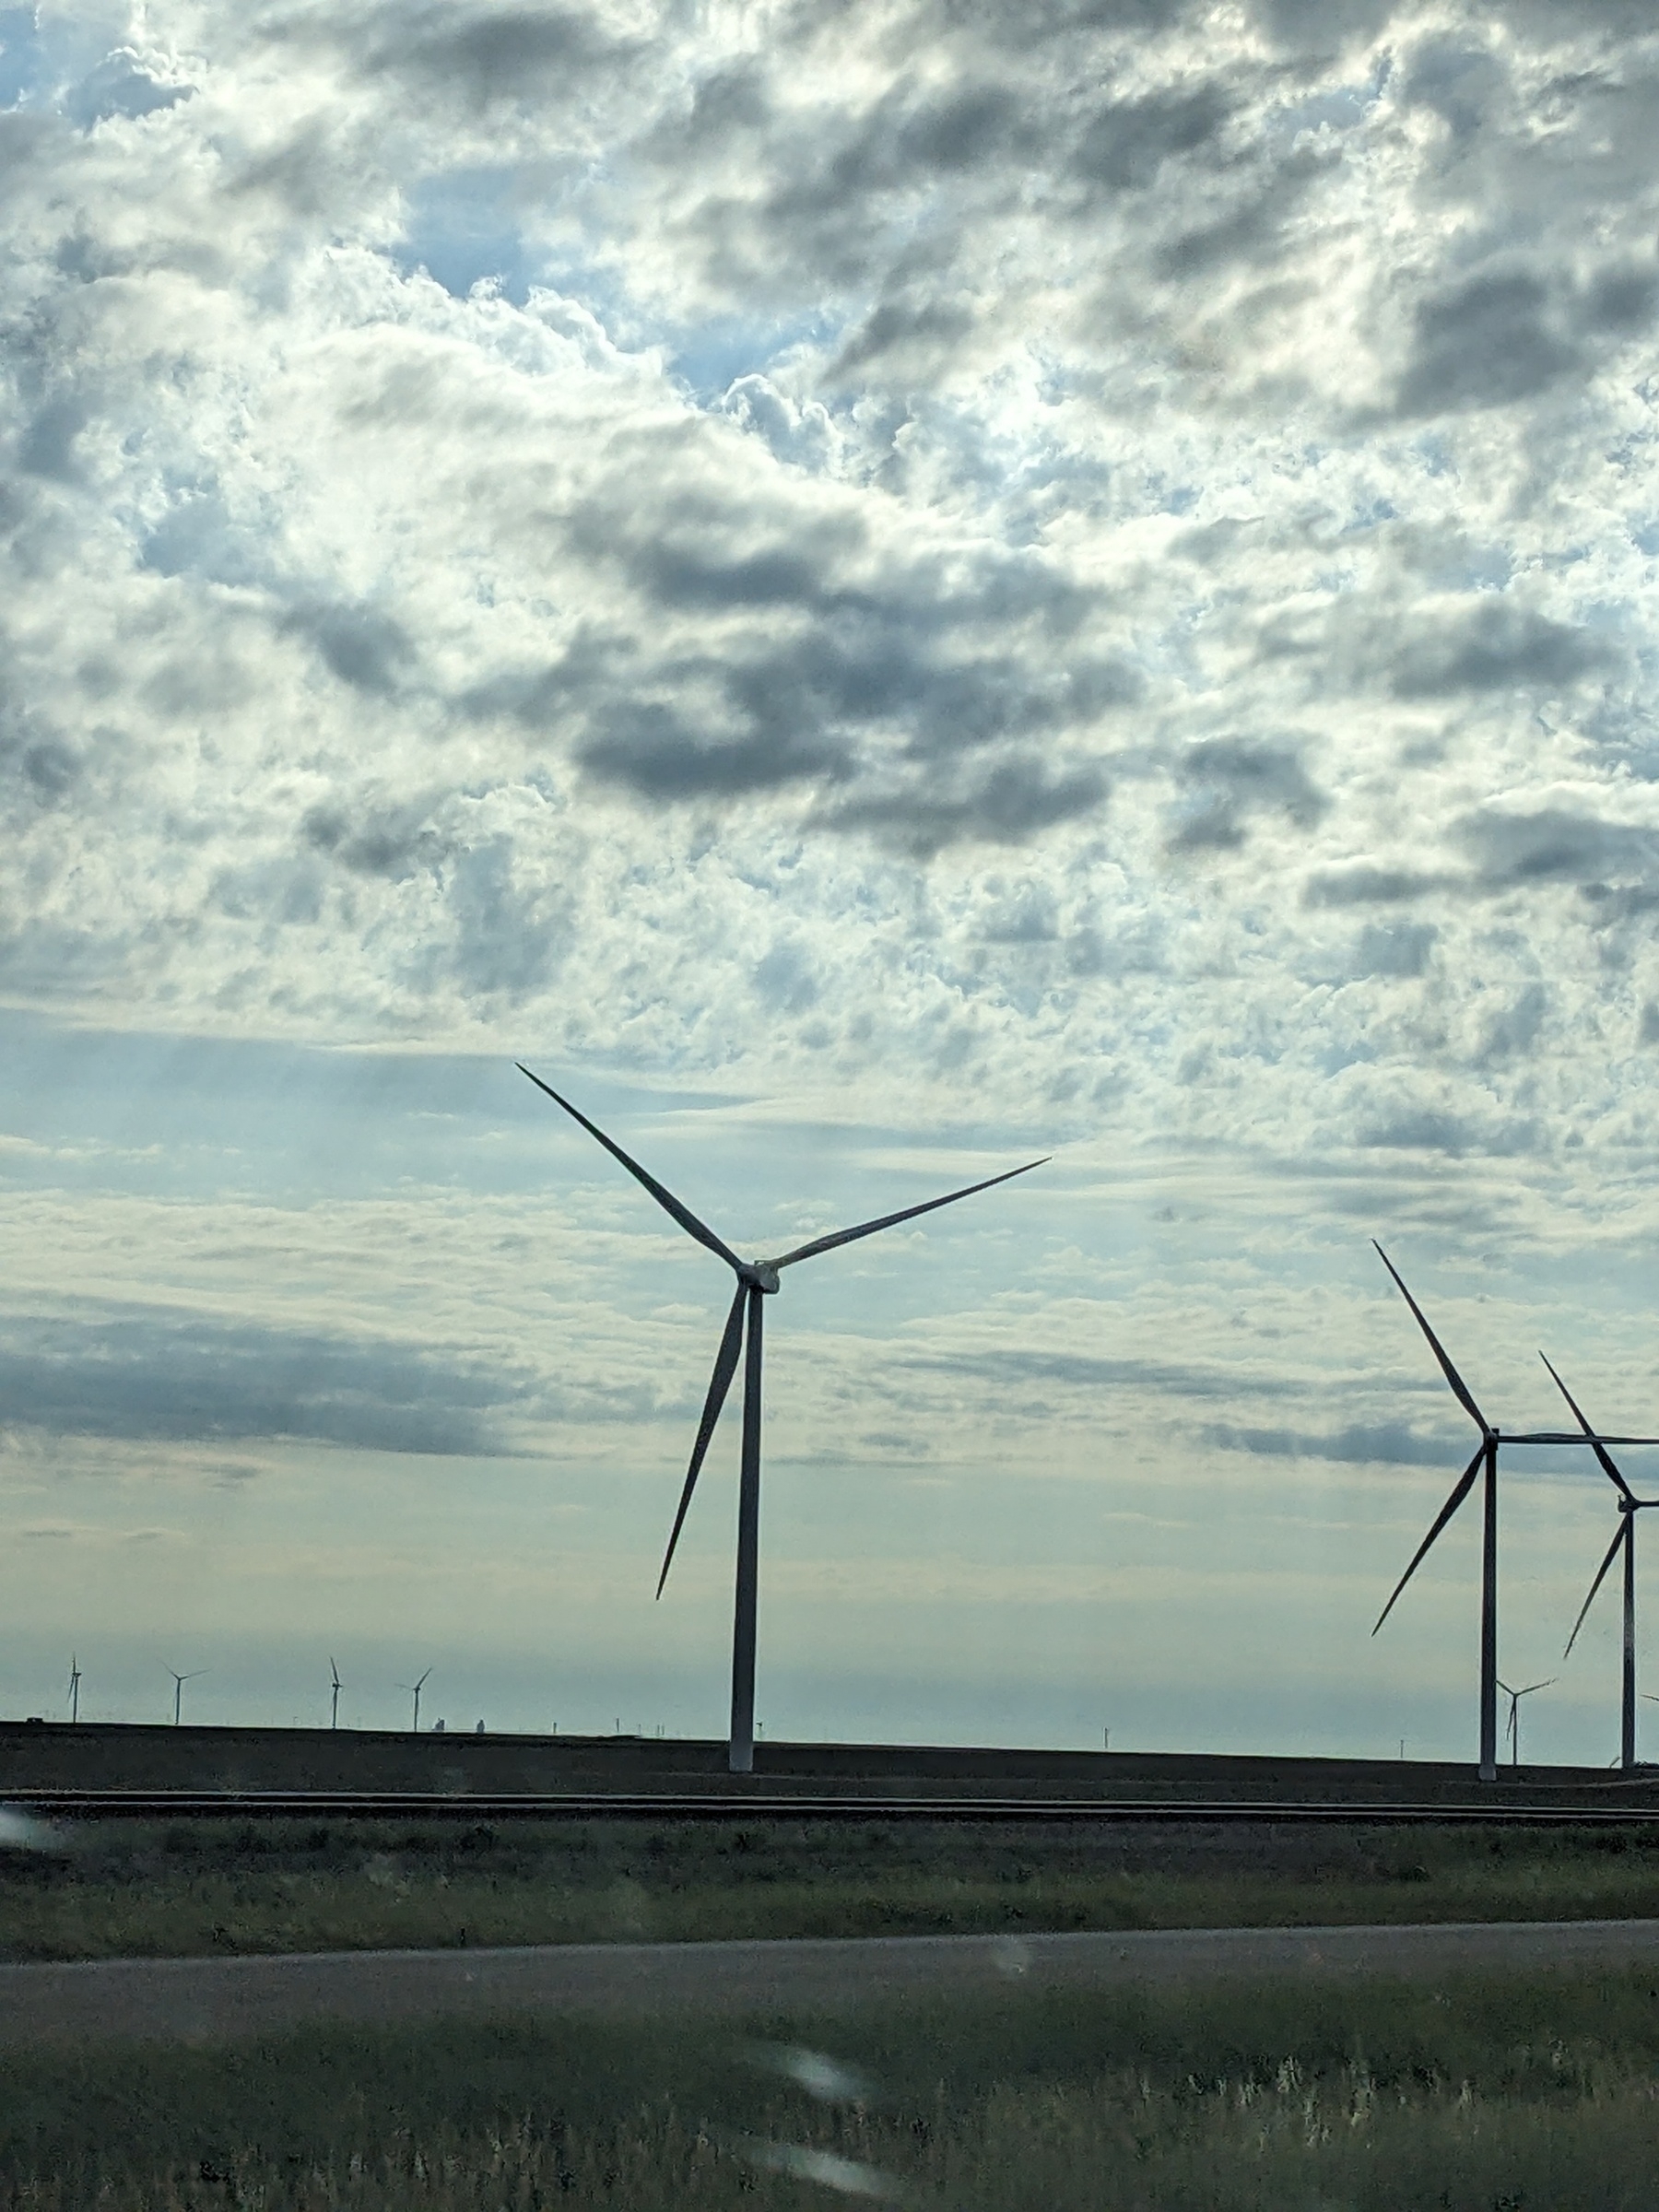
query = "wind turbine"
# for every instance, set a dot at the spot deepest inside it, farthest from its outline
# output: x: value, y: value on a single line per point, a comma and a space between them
x: 1630, y: 1505
x: 334, y: 1715
x: 1486, y: 1454
x: 178, y: 1682
x: 1515, y: 1697
x: 75, y: 1680
x: 416, y: 1688
x: 757, y: 1280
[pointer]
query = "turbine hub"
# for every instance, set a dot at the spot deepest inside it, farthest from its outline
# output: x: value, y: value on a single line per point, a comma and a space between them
x: 761, y: 1274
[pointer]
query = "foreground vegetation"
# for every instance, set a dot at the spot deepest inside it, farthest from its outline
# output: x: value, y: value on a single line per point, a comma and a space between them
x: 1487, y: 2095
x: 129, y: 1890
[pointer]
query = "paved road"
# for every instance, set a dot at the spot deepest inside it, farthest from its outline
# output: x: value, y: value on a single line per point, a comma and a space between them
x: 218, y: 1999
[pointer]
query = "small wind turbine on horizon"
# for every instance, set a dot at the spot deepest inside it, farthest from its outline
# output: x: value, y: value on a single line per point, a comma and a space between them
x: 75, y: 1683
x: 334, y: 1714
x: 1513, y: 1730
x: 178, y: 1682
x: 757, y: 1280
x: 1486, y: 1456
x: 1630, y: 1505
x: 414, y: 1689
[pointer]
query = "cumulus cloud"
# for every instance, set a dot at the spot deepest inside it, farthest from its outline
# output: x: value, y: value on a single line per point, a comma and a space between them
x: 506, y: 503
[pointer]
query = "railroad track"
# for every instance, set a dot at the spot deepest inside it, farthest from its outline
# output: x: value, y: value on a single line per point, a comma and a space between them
x: 736, y: 1807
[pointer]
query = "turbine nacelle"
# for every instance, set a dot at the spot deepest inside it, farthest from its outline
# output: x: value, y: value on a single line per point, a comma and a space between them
x: 759, y: 1275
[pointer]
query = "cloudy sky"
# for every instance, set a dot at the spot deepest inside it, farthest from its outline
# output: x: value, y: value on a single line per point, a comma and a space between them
x: 874, y: 590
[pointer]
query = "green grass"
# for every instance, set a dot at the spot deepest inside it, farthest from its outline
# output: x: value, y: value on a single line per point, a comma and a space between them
x: 128, y: 1890
x: 1489, y: 2095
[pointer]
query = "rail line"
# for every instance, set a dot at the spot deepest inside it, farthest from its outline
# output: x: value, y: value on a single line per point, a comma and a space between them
x: 736, y: 1808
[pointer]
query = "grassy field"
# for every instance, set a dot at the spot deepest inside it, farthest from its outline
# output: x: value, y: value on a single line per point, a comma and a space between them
x: 1489, y: 2096
x: 128, y: 1890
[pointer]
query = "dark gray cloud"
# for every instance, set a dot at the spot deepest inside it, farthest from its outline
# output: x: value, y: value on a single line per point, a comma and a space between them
x: 904, y: 332
x: 174, y: 1376
x: 1227, y: 780
x: 364, y: 646
x: 1250, y: 231
x: 1493, y: 645
x: 1363, y: 883
x: 39, y: 766
x: 654, y: 750
x: 1381, y: 1443
x: 1081, y: 1371
x: 479, y: 56
x: 1485, y: 343
x: 1320, y: 26
x: 833, y: 669
x: 1459, y: 80
x: 1006, y: 805
x: 1455, y: 1135
x: 375, y: 840
x: 1126, y: 142
x: 1508, y: 333
x: 1553, y: 845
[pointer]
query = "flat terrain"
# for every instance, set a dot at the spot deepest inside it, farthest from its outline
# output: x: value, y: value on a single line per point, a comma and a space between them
x: 123, y: 1890
x: 1465, y: 2093
x: 47, y: 1756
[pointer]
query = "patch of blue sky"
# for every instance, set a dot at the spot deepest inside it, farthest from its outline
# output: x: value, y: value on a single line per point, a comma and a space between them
x: 709, y: 359
x: 21, y: 60
x: 1372, y: 516
x: 465, y: 229
x: 192, y: 1115
x: 1337, y: 108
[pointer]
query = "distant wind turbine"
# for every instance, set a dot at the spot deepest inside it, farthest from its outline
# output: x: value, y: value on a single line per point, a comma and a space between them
x: 1514, y: 1696
x: 178, y: 1682
x: 757, y: 1280
x: 334, y: 1715
x: 75, y: 1682
x: 1630, y: 1505
x: 1486, y: 1454
x: 416, y: 1688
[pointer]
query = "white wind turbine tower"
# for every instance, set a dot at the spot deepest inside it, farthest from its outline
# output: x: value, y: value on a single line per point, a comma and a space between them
x: 1514, y: 1729
x: 178, y: 1682
x: 415, y: 1689
x: 1485, y: 1459
x: 757, y: 1281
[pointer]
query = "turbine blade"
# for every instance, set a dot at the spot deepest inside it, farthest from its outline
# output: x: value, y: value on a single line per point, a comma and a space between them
x: 665, y: 1198
x: 1608, y: 1469
x: 1547, y: 1683
x: 909, y: 1213
x: 1464, y: 1484
x: 1460, y: 1388
x: 720, y: 1381
x: 1601, y: 1575
x: 1568, y: 1436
